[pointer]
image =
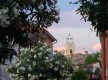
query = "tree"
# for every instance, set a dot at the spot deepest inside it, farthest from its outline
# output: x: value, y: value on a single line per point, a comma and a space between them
x: 92, y: 58
x: 95, y: 11
x: 21, y: 19
x: 36, y: 64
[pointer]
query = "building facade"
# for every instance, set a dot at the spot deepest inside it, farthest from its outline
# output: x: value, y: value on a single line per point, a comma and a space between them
x: 79, y: 58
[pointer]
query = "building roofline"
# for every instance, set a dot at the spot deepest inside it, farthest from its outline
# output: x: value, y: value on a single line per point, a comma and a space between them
x: 50, y: 36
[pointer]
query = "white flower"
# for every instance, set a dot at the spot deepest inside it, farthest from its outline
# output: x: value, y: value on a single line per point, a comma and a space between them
x: 35, y: 56
x: 34, y: 63
x: 46, y: 58
x: 17, y: 64
x: 45, y: 44
x: 63, y: 74
x: 46, y: 61
x: 41, y: 48
x: 40, y: 75
x: 57, y: 62
x: 32, y: 50
x: 55, y: 69
x: 30, y: 69
x: 22, y: 68
x: 51, y: 65
x: 49, y: 49
x: 55, y: 79
x: 39, y: 54
x: 62, y: 66
x: 17, y: 70
x: 33, y: 77
x: 29, y: 75
x: 28, y: 60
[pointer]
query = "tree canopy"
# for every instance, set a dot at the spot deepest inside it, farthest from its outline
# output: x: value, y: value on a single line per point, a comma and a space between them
x: 21, y: 19
x: 92, y: 58
x: 95, y: 11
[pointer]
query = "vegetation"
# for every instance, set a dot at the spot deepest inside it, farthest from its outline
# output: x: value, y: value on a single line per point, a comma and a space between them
x: 92, y: 58
x: 20, y: 20
x: 79, y: 75
x: 36, y: 64
x: 95, y: 11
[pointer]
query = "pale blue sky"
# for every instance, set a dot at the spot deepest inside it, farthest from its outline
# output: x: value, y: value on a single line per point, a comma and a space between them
x: 80, y: 30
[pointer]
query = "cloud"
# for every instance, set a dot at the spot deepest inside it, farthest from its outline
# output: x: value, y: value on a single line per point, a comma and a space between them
x: 96, y: 47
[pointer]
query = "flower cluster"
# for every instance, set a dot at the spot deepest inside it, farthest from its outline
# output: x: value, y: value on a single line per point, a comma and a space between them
x: 36, y: 64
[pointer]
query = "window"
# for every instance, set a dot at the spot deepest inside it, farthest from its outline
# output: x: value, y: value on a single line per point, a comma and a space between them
x: 71, y: 51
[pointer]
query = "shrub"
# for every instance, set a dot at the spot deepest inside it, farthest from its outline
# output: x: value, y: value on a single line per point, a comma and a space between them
x: 79, y: 75
x: 36, y: 64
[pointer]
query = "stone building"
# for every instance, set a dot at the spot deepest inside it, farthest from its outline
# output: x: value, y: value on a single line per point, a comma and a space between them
x: 79, y: 58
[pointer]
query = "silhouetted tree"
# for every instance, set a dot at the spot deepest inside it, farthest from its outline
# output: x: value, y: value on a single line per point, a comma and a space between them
x: 95, y: 11
x: 21, y: 19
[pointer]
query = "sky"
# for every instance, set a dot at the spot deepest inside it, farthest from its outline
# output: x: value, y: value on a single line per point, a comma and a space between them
x: 84, y: 37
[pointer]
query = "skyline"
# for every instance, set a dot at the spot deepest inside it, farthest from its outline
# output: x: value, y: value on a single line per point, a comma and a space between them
x: 84, y: 38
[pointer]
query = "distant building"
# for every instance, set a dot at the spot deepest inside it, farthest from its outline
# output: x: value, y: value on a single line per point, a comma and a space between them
x: 79, y: 58
x: 69, y: 46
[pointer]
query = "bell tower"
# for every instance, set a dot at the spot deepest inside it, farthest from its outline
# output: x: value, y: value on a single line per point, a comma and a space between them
x: 69, y: 46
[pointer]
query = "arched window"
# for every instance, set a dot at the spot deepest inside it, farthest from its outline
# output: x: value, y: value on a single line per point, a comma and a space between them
x: 71, y: 51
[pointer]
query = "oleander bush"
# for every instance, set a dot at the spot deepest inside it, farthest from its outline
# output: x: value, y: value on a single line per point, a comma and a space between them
x: 37, y: 64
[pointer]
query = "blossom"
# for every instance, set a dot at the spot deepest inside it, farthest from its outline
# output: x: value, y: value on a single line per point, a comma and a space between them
x: 40, y: 75
x: 57, y: 62
x: 50, y: 65
x: 30, y: 69
x: 55, y: 79
x: 62, y: 66
x: 34, y: 63
x: 33, y: 77
x: 55, y: 69
x: 17, y: 70
x: 29, y: 75
x: 35, y: 56
x: 22, y: 68
x: 40, y: 67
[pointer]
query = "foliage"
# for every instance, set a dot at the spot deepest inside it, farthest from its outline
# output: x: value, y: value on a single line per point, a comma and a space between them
x: 95, y: 11
x: 21, y: 20
x: 79, y: 75
x: 92, y: 58
x: 36, y: 64
x: 97, y: 71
